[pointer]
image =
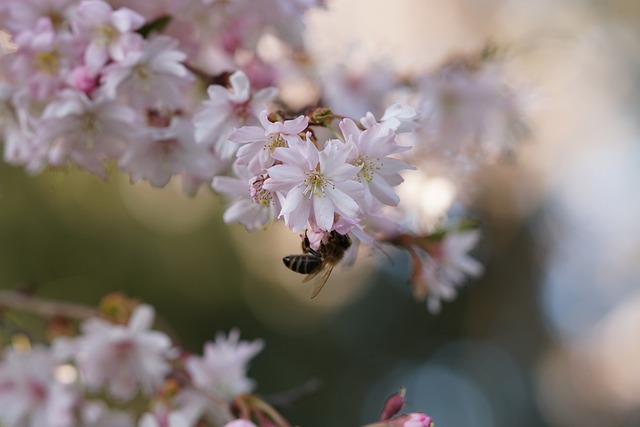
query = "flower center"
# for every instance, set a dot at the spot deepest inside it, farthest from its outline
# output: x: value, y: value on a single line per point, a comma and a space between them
x: 274, y: 141
x: 104, y: 34
x: 316, y: 184
x: 48, y: 62
x: 142, y: 72
x: 259, y: 194
x: 369, y: 167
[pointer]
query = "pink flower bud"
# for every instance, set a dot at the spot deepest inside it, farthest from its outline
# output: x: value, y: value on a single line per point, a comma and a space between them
x: 392, y: 406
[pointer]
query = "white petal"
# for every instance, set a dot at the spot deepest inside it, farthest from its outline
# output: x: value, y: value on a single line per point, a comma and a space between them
x: 323, y: 210
x: 344, y: 204
x: 142, y: 318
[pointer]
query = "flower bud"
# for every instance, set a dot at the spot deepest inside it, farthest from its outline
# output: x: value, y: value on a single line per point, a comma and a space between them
x: 392, y: 406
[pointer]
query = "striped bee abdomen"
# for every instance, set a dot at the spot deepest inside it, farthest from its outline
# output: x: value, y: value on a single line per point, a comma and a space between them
x: 303, y: 264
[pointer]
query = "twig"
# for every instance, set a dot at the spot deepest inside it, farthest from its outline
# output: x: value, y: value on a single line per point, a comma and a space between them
x: 286, y: 398
x: 46, y: 307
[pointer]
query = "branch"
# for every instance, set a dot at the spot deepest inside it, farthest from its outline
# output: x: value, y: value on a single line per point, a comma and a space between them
x: 286, y: 398
x: 44, y: 307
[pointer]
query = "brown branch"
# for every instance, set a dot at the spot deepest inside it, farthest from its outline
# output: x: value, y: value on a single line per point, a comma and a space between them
x: 44, y: 307
x: 286, y: 398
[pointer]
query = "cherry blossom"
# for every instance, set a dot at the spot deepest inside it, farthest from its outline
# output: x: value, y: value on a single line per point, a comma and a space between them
x: 41, y: 60
x: 159, y: 153
x: 226, y: 109
x: 87, y: 131
x: 123, y: 359
x: 20, y: 144
x: 23, y: 14
x: 29, y: 394
x: 315, y: 185
x: 370, y: 150
x: 468, y: 109
x: 446, y: 268
x: 252, y: 205
x: 259, y: 143
x: 109, y: 32
x: 150, y: 76
x: 222, y: 370
x: 398, y: 117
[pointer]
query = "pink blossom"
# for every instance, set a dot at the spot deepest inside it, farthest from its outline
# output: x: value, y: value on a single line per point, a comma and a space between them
x: 370, y: 149
x: 109, y: 33
x: 468, y: 109
x: 41, y: 61
x: 20, y: 144
x: 398, y: 117
x: 447, y: 267
x: 354, y: 92
x: 124, y: 359
x: 251, y: 204
x: 249, y: 20
x: 87, y: 131
x: 222, y: 370
x: 30, y: 395
x: 159, y: 153
x: 23, y: 14
x: 259, y: 143
x: 227, y: 109
x: 149, y: 77
x: 315, y: 185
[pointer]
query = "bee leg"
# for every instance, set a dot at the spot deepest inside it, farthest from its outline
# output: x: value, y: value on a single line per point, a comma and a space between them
x: 306, y: 246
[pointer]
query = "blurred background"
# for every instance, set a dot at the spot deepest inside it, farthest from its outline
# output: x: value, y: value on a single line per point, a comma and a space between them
x: 548, y: 336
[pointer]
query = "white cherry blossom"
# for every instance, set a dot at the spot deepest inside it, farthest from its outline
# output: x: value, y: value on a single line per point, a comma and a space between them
x: 124, y: 359
x: 29, y: 394
x: 315, y: 185
x: 151, y: 76
x: 109, y: 33
x: 87, y: 131
x: 222, y: 370
x: 379, y: 173
x: 227, y: 109
x: 259, y: 143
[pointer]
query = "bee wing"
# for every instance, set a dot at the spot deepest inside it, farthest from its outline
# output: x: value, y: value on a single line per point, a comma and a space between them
x: 322, y: 277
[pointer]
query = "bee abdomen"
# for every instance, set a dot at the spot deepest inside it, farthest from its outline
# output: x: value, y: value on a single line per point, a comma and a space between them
x: 303, y: 264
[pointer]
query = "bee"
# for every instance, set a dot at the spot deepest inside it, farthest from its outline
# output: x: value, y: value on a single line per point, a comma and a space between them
x: 319, y: 263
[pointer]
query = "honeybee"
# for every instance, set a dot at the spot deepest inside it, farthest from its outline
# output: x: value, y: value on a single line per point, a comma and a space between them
x: 319, y: 263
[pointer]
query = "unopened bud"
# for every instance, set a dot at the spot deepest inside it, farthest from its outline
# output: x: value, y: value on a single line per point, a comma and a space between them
x: 393, y: 405
x: 321, y: 116
x: 117, y: 308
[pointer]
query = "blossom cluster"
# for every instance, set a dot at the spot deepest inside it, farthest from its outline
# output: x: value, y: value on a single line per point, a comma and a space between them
x: 115, y: 370
x: 62, y: 385
x: 96, y: 84
x: 91, y: 81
